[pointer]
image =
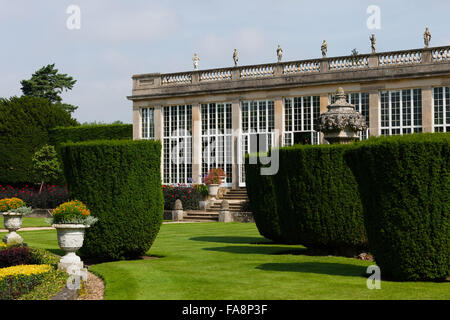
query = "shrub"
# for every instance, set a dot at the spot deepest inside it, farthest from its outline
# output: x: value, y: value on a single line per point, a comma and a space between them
x: 120, y: 182
x: 41, y: 256
x: 189, y: 196
x: 14, y: 256
x: 18, y: 280
x: 91, y: 132
x: 46, y: 165
x: 314, y: 197
x: 405, y: 188
x: 24, y: 126
x: 262, y: 202
x: 50, y: 196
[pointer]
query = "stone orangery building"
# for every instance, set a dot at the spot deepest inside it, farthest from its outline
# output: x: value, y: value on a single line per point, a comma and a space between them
x: 206, y: 118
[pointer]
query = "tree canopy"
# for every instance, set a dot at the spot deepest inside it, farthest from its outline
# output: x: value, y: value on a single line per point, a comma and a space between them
x: 48, y: 83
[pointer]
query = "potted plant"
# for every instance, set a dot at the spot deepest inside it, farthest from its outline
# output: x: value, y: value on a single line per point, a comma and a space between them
x: 213, y: 180
x: 13, y: 210
x: 203, y: 190
x: 70, y: 220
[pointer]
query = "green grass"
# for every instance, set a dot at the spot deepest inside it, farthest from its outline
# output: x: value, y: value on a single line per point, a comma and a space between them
x: 223, y: 261
x: 28, y: 223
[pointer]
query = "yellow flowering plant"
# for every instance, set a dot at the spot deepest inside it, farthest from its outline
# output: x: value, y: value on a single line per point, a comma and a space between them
x: 72, y: 212
x: 26, y: 270
x: 11, y: 204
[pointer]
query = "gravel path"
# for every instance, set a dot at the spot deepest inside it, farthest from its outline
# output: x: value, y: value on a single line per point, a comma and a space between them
x: 94, y: 290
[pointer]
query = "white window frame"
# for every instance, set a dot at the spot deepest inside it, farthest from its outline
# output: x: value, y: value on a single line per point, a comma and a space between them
x: 147, y: 123
x: 245, y: 136
x: 412, y: 127
x: 445, y: 126
x: 181, y: 139
x: 220, y: 141
x: 288, y: 136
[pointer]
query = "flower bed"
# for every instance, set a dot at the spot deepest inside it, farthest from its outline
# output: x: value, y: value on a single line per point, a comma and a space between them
x: 29, y: 273
x: 18, y: 280
x: 50, y: 197
x: 189, y: 196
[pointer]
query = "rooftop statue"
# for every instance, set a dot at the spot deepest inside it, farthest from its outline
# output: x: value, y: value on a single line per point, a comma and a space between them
x: 279, y: 53
x: 324, y: 48
x: 196, y: 60
x: 235, y: 57
x: 427, y: 37
x: 373, y: 42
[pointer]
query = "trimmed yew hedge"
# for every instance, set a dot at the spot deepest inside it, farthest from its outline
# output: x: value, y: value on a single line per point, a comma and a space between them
x: 262, y: 202
x: 405, y: 188
x: 313, y: 200
x: 120, y: 182
x: 91, y: 132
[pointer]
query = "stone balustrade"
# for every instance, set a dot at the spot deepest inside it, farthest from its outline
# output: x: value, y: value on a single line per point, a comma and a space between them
x: 296, y: 68
x: 440, y: 54
x: 260, y: 71
x: 400, y: 58
x: 306, y: 66
x: 348, y: 62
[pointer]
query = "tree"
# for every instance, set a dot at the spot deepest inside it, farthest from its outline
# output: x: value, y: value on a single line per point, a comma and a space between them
x: 49, y: 84
x: 46, y: 165
x: 25, y: 123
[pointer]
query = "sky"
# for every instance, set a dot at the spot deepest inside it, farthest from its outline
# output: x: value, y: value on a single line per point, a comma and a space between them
x: 119, y: 38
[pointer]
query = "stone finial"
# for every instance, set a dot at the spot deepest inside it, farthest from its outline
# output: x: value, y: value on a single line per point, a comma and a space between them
x: 373, y: 42
x: 324, y: 48
x: 279, y: 53
x: 225, y: 205
x: 235, y: 57
x: 178, y: 205
x: 427, y: 37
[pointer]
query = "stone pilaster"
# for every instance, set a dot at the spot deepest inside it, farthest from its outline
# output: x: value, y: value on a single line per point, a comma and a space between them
x: 374, y: 114
x: 324, y: 102
x: 427, y: 109
x: 279, y: 123
x: 235, y: 152
x: 136, y: 123
x: 158, y: 118
x: 196, y: 144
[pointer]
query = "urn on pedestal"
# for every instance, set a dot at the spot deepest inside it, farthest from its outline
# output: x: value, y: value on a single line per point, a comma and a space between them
x: 341, y: 123
x: 13, y: 210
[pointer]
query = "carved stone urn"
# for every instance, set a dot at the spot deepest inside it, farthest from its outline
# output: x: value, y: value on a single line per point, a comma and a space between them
x: 341, y: 123
x: 213, y: 189
x: 13, y: 222
x: 70, y: 239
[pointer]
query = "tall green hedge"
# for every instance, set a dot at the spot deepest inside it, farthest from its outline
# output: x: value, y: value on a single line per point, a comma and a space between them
x: 91, y: 132
x: 262, y: 199
x: 313, y: 200
x: 120, y: 182
x: 25, y: 123
x: 405, y: 187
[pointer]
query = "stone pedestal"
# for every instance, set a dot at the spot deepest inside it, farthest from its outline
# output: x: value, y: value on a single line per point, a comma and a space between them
x: 177, y: 212
x: 70, y: 239
x: 225, y: 214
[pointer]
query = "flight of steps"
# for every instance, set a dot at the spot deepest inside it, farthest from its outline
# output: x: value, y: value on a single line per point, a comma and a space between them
x: 235, y: 199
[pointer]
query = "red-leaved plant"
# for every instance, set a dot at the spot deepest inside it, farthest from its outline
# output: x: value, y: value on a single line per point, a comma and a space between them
x: 215, y: 176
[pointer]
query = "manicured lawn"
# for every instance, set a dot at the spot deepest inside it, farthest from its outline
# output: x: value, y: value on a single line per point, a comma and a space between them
x: 29, y: 222
x: 223, y: 261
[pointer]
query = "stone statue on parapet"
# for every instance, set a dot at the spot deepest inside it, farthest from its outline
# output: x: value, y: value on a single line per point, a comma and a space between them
x: 324, y: 48
x: 196, y: 60
x: 279, y: 53
x: 235, y: 57
x: 373, y: 42
x: 427, y: 37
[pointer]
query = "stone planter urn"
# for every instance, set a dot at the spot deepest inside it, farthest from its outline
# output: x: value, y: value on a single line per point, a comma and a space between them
x: 213, y: 189
x: 341, y: 124
x: 70, y: 239
x: 13, y: 222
